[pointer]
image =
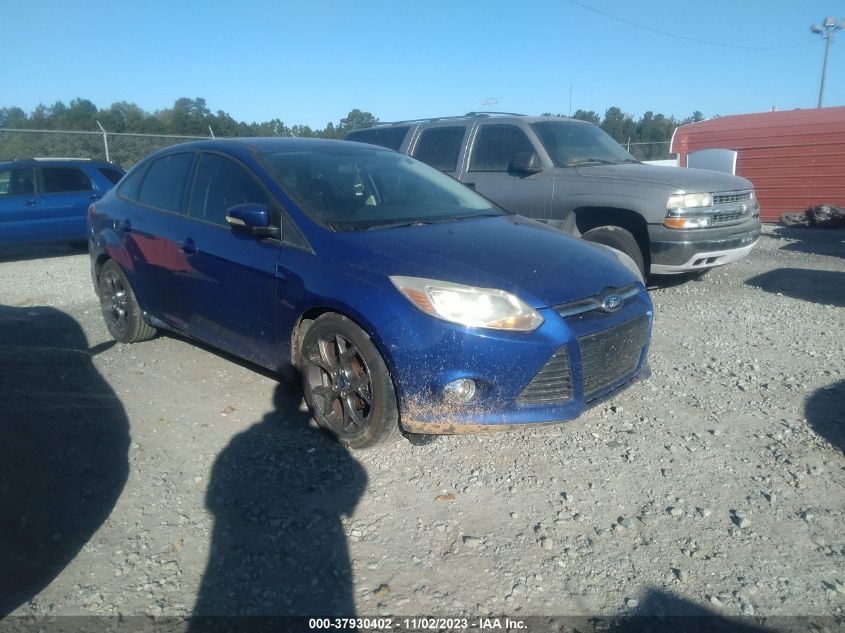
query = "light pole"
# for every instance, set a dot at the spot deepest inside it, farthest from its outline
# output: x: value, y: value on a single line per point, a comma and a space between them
x: 826, y: 30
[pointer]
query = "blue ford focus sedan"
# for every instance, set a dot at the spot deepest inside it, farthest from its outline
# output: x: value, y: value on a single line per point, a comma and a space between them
x: 403, y: 299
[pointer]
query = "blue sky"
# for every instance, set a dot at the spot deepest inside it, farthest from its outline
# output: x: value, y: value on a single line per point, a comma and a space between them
x: 311, y: 62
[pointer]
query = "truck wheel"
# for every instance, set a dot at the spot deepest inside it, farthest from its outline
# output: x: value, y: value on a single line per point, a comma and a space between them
x: 620, y: 239
x: 346, y: 383
x: 119, y: 306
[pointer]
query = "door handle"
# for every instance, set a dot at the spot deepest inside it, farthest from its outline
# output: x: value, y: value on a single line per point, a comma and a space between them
x: 95, y: 196
x: 189, y: 246
x: 123, y: 225
x: 30, y: 203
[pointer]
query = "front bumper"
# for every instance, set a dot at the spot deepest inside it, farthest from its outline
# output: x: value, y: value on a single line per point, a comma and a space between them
x: 674, y: 251
x: 424, y: 354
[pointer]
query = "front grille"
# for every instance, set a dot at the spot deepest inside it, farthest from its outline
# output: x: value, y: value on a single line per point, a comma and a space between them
x: 610, y: 355
x: 553, y: 383
x: 731, y: 196
x: 732, y: 216
x: 595, y: 302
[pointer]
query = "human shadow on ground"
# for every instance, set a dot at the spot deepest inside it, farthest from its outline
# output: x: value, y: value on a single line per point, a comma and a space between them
x: 813, y: 241
x: 825, y: 411
x: 278, y: 493
x: 64, y: 441
x: 826, y: 287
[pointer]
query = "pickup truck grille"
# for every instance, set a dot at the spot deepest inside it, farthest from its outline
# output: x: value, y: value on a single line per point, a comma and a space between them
x: 610, y: 355
x: 730, y: 197
x: 730, y: 216
x: 552, y: 384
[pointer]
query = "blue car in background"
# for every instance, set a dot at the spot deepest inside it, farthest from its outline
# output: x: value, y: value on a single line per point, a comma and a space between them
x: 404, y: 299
x: 46, y: 199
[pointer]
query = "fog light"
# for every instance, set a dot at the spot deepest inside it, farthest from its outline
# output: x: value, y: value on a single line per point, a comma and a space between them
x: 461, y: 390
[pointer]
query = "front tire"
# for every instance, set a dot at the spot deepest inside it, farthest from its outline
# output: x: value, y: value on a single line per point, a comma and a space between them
x: 346, y: 383
x: 620, y: 239
x: 121, y: 312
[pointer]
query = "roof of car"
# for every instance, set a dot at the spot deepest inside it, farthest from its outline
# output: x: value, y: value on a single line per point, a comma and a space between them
x: 252, y: 144
x: 50, y: 160
x: 469, y: 116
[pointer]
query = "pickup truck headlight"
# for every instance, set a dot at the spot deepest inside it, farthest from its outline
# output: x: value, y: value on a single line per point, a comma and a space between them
x: 690, y: 200
x: 468, y: 305
x: 684, y: 211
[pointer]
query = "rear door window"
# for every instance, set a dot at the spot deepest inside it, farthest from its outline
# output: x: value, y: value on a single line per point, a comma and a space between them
x: 495, y: 147
x: 389, y: 137
x: 17, y: 182
x: 219, y: 184
x: 131, y: 187
x: 440, y: 147
x: 64, y: 179
x: 165, y: 182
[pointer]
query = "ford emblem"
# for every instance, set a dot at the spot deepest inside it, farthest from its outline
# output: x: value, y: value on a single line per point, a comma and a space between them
x: 611, y: 303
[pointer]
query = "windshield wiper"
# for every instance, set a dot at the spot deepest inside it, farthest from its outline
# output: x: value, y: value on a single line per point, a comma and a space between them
x: 396, y: 225
x: 584, y: 161
x: 443, y: 220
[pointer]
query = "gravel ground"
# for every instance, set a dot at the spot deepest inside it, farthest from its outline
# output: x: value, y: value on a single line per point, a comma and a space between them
x: 184, y: 481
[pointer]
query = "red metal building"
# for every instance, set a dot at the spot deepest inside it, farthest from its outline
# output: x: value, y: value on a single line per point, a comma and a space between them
x: 795, y: 159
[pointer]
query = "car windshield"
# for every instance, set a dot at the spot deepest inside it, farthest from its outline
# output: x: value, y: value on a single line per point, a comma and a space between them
x: 359, y: 189
x: 570, y: 144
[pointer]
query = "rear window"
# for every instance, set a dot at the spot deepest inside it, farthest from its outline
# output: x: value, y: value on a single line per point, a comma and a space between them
x: 440, y: 147
x: 164, y: 184
x: 112, y: 175
x: 17, y: 182
x: 389, y: 137
x: 61, y: 179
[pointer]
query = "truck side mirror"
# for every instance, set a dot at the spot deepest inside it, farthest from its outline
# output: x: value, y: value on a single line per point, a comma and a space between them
x: 526, y: 163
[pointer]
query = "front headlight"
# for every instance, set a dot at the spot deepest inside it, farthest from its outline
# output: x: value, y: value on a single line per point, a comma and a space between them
x: 688, y: 211
x: 690, y: 200
x: 468, y: 305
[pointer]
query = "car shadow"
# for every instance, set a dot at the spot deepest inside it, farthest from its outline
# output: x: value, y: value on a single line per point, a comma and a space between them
x: 14, y: 253
x: 825, y: 411
x: 826, y: 287
x: 810, y: 240
x: 659, y: 282
x: 64, y: 441
x: 279, y: 493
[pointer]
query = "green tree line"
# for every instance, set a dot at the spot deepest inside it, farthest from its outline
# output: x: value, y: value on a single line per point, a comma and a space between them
x: 193, y: 117
x: 190, y: 117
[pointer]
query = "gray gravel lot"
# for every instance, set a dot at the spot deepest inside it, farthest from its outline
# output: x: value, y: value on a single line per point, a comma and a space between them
x: 190, y: 481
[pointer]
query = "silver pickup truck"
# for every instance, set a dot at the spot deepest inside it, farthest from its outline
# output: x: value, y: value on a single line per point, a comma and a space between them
x: 572, y: 175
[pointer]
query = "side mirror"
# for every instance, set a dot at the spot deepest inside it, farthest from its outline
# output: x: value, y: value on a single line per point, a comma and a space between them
x: 526, y: 163
x: 251, y: 218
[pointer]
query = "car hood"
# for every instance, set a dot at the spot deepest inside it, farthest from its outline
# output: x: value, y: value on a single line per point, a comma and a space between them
x: 690, y: 180
x: 540, y: 264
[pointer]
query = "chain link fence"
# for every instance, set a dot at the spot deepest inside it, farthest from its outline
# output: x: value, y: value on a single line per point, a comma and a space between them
x: 655, y: 150
x: 121, y: 148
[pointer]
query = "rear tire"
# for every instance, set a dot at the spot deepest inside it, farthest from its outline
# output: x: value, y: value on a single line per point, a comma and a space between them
x: 620, y: 239
x: 121, y: 312
x: 346, y: 383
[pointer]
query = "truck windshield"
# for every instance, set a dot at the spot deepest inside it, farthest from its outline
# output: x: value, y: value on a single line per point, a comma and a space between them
x: 570, y: 144
x: 361, y: 189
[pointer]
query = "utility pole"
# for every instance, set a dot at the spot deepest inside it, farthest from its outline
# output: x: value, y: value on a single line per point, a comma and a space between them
x: 826, y: 30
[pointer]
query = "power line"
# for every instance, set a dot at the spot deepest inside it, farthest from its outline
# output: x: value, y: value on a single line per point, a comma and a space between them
x: 676, y: 35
